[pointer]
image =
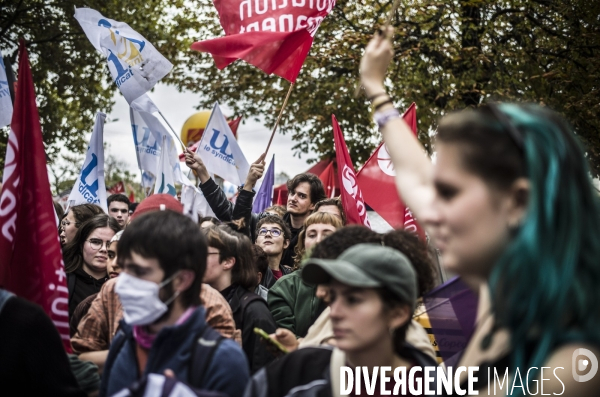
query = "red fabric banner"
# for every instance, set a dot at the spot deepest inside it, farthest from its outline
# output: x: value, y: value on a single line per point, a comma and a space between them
x: 352, y: 198
x: 379, y: 186
x: 31, y: 261
x: 328, y: 179
x: 117, y: 188
x: 273, y: 35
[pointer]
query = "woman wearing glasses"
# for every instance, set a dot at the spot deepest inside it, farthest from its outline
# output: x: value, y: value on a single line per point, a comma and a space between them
x: 510, y: 205
x: 75, y: 218
x: 86, y: 258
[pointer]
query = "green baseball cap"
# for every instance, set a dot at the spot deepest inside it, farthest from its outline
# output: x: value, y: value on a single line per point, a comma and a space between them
x: 366, y: 266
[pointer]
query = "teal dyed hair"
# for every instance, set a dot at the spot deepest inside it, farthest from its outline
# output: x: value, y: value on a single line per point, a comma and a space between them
x: 546, y: 286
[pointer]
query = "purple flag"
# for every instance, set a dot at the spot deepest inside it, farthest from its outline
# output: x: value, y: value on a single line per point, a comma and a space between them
x: 264, y: 196
x: 449, y: 318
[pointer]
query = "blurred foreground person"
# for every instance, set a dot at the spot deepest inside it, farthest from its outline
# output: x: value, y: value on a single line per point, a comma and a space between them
x: 510, y: 205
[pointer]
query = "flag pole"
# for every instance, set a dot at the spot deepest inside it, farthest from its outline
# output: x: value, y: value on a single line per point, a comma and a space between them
x: 279, y: 117
x: 173, y: 131
x: 388, y: 20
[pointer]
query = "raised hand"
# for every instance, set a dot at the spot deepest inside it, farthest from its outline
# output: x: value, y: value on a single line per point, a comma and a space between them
x: 375, y: 61
x: 195, y: 163
x: 255, y: 173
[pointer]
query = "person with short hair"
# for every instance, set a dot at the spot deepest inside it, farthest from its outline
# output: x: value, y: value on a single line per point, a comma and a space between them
x: 86, y: 258
x: 163, y: 256
x: 231, y: 271
x: 372, y: 297
x: 273, y: 236
x: 278, y: 210
x: 293, y: 302
x: 208, y: 221
x: 118, y: 208
x: 304, y: 191
x: 333, y: 206
x: 74, y: 218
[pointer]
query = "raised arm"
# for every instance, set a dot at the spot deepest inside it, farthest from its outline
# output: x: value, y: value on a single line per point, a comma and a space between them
x: 414, y: 170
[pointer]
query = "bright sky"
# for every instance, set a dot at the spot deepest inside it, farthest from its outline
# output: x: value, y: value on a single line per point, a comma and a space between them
x: 177, y: 107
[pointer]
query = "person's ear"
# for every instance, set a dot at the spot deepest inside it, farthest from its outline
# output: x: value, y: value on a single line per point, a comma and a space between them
x: 312, y: 206
x: 286, y: 244
x: 259, y: 277
x: 228, y: 263
x: 398, y: 316
x: 518, y: 199
x: 183, y: 280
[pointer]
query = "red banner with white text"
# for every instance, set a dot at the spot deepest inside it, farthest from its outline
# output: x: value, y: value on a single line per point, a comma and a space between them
x: 273, y: 35
x: 352, y: 198
x: 379, y: 186
x: 31, y: 261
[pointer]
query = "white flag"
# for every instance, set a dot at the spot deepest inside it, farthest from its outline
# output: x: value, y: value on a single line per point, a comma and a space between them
x: 6, y: 107
x: 89, y: 186
x: 220, y: 151
x: 194, y: 203
x: 148, y: 133
x: 169, y: 171
x: 136, y: 66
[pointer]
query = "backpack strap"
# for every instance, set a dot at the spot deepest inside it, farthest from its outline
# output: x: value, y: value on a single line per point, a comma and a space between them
x: 202, y: 353
x: 4, y: 296
x: 245, y: 301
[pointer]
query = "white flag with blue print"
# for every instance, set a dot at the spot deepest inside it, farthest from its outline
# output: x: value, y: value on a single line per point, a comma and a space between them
x: 136, y: 66
x: 89, y: 186
x: 6, y: 107
x: 220, y: 151
x: 148, y: 133
x: 169, y: 171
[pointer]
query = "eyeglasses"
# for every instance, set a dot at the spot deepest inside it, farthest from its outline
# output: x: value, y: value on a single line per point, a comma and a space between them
x: 96, y: 243
x: 65, y: 222
x: 274, y: 232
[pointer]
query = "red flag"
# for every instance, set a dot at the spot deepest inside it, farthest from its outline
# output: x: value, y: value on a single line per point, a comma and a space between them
x: 274, y: 36
x: 328, y: 179
x: 117, y: 188
x: 32, y: 265
x: 380, y: 192
x: 352, y: 198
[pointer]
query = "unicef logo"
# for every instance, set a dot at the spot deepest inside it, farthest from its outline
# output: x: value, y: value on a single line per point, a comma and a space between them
x: 385, y: 162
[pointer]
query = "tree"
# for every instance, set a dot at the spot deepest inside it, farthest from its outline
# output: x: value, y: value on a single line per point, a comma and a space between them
x: 448, y: 55
x: 64, y: 173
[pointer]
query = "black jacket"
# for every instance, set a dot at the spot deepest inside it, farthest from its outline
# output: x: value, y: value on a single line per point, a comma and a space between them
x: 80, y: 286
x: 226, y: 211
x: 250, y: 311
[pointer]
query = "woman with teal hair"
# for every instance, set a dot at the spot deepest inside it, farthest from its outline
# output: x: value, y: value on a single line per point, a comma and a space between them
x: 510, y: 205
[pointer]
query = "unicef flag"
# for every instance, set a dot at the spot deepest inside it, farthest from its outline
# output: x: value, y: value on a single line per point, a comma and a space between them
x: 6, y: 107
x: 220, y: 151
x: 136, y: 66
x: 89, y: 186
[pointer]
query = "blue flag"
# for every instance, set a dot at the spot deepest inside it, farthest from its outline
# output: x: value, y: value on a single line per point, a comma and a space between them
x: 264, y: 196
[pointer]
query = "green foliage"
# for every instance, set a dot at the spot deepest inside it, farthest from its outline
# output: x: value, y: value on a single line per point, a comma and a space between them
x: 449, y: 55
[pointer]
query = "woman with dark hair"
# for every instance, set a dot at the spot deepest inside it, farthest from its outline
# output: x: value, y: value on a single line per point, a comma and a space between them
x: 510, y: 205
x: 74, y: 218
x: 208, y: 221
x: 372, y: 292
x: 86, y: 258
x: 230, y: 269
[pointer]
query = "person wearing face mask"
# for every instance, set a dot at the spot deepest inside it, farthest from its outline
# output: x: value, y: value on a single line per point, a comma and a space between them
x: 86, y: 258
x: 163, y: 257
x: 99, y: 326
x: 292, y: 301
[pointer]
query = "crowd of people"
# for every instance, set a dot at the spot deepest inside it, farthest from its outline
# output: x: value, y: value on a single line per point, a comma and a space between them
x: 158, y: 302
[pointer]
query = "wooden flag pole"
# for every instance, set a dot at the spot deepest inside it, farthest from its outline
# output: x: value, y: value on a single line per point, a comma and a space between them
x: 388, y: 21
x: 285, y: 101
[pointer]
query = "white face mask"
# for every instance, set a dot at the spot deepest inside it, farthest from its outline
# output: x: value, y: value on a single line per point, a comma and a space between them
x: 141, y: 304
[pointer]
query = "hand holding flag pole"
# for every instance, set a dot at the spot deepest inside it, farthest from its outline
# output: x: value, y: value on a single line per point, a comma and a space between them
x: 285, y: 101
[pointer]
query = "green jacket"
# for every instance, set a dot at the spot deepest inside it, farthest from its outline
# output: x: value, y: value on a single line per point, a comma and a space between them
x: 293, y: 303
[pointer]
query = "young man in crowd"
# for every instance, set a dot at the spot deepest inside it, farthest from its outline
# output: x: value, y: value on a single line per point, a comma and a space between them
x: 118, y: 208
x: 304, y: 191
x: 332, y: 206
x: 99, y: 326
x: 273, y: 236
x: 163, y: 256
